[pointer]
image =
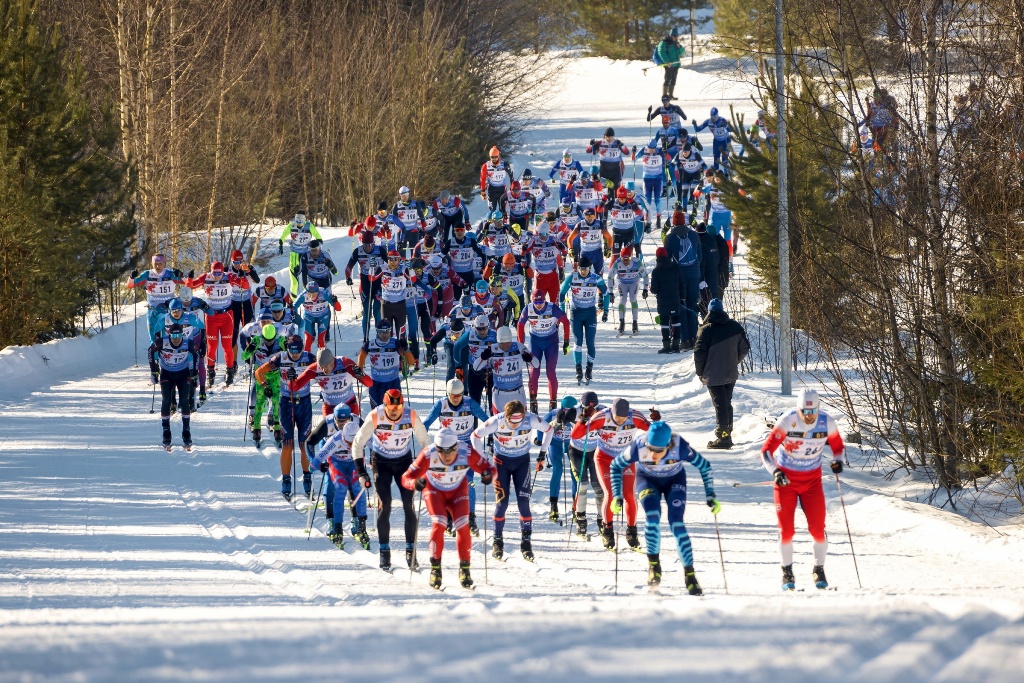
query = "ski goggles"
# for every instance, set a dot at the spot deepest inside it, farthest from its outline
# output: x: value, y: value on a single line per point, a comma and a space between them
x: 809, y: 412
x: 176, y: 336
x: 515, y: 418
x: 447, y: 451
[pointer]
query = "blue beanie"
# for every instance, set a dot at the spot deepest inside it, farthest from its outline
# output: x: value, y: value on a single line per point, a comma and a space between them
x: 715, y: 306
x: 659, y: 434
x: 569, y: 402
x: 675, y: 32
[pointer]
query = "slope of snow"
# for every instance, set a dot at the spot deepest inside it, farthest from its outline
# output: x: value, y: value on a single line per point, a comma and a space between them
x: 119, y: 561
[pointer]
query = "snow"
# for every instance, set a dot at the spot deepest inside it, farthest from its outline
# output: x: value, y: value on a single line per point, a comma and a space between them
x: 119, y: 561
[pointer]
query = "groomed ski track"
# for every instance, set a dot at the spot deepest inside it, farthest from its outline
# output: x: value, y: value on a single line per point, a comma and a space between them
x: 121, y: 562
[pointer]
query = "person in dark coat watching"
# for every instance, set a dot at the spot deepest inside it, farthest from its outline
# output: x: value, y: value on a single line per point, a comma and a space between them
x: 683, y: 246
x: 709, y: 263
x: 721, y: 346
x: 667, y: 287
x: 723, y: 260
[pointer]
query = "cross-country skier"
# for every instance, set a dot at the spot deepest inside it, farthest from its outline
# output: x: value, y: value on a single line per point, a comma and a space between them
x: 582, y: 464
x: 630, y: 272
x: 458, y: 412
x: 495, y: 177
x: 439, y: 471
x: 172, y: 362
x: 461, y: 249
x: 561, y: 420
x: 448, y: 209
x: 548, y: 258
x: 395, y: 278
x: 299, y: 232
x: 543, y: 319
x: 411, y: 214
x: 336, y: 377
x: 370, y: 257
x: 271, y: 291
x: 389, y: 361
x: 518, y: 206
x: 659, y: 456
x: 334, y: 459
x: 200, y: 309
x: 511, y: 275
x: 503, y: 360
x: 393, y: 432
x: 470, y: 345
x: 505, y: 299
x: 259, y: 349
x: 622, y: 215
x: 241, y: 294
x: 654, y: 178
x: 690, y: 167
x: 320, y: 266
x: 676, y: 115
x: 610, y: 151
x: 568, y: 170
x: 586, y: 293
x: 721, y: 132
x: 295, y: 408
x: 314, y: 307
x: 218, y: 284
x: 612, y: 431
x: 536, y: 188
x: 792, y: 454
x: 160, y: 284
x: 588, y: 192
x: 511, y: 431
x: 591, y: 240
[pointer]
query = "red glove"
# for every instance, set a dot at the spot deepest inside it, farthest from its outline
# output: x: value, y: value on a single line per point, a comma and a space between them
x: 337, y: 305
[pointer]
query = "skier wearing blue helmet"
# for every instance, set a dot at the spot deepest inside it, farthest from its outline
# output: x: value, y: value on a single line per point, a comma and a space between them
x: 659, y: 456
x: 721, y: 133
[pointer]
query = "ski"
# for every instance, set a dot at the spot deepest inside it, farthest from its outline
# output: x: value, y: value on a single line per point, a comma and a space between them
x: 190, y: 448
x: 168, y: 448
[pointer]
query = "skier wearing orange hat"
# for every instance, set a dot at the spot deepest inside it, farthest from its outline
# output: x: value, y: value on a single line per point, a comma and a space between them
x: 495, y: 178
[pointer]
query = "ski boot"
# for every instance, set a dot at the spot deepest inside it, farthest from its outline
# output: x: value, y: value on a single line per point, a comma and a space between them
x: 675, y: 343
x: 231, y: 375
x: 202, y: 396
x: 653, y: 571
x: 360, y: 534
x: 579, y: 373
x: 498, y: 547
x: 581, y: 524
x: 410, y: 559
x: 692, y: 587
x: 278, y: 438
x: 553, y: 515
x: 186, y: 438
x: 657, y: 222
x: 636, y: 327
x: 553, y: 404
x: 337, y: 535
x: 622, y: 327
x: 211, y: 375
x: 589, y: 375
x: 464, y: 578
x: 533, y: 404
x: 257, y: 436
x: 286, y: 487
x: 723, y: 442
x: 788, y: 581
x: 435, y: 572
x: 385, y: 559
x: 166, y: 436
x: 473, y: 528
x: 307, y: 482
x: 526, y: 546
x: 818, y: 573
x: 632, y: 540
x: 608, y: 537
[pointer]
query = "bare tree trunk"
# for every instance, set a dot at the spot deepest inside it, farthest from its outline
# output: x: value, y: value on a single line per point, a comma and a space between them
x: 222, y: 92
x: 172, y: 135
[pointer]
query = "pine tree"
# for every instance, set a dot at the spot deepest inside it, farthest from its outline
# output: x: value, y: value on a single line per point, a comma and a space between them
x: 65, y: 222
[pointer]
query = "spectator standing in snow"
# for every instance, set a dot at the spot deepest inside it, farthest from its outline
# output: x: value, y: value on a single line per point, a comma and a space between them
x: 669, y: 54
x: 721, y: 346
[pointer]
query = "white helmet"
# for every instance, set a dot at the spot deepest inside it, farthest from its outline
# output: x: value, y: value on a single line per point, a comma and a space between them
x: 807, y: 399
x: 481, y: 321
x: 404, y: 189
x: 504, y: 335
x: 455, y: 386
x: 445, y: 438
x: 349, y: 431
x: 434, y: 261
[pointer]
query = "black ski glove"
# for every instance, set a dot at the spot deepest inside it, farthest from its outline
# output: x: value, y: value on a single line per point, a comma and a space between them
x: 486, y: 478
x: 290, y: 374
x: 324, y: 467
x: 421, y: 483
x: 486, y: 354
x: 780, y: 478
x: 280, y: 246
x: 837, y: 466
x: 134, y: 274
x: 348, y: 281
x: 644, y: 294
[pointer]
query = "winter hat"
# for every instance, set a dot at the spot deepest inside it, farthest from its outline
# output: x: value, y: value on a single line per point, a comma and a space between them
x: 569, y: 402
x: 445, y: 438
x: 661, y: 252
x: 702, y: 227
x: 455, y: 386
x: 675, y: 32
x: 367, y: 237
x: 678, y: 217
x: 659, y: 434
x: 716, y: 306
x: 620, y: 407
x: 589, y: 398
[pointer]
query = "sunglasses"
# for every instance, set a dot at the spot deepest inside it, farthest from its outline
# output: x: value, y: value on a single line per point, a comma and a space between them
x: 807, y: 412
x: 448, y: 451
x: 656, y: 449
x: 516, y: 417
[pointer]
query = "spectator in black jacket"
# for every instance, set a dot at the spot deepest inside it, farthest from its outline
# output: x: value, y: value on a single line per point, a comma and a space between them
x: 667, y: 287
x: 709, y: 265
x: 723, y: 260
x: 721, y: 346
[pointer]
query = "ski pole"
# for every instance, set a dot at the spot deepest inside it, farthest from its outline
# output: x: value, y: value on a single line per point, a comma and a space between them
x: 484, y: 543
x: 312, y: 509
x: 616, y: 550
x: 755, y: 483
x: 433, y: 384
x: 579, y: 483
x: 248, y: 398
x: 721, y: 556
x: 848, y: 534
x: 415, y: 533
x: 135, y: 295
x: 152, y: 401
